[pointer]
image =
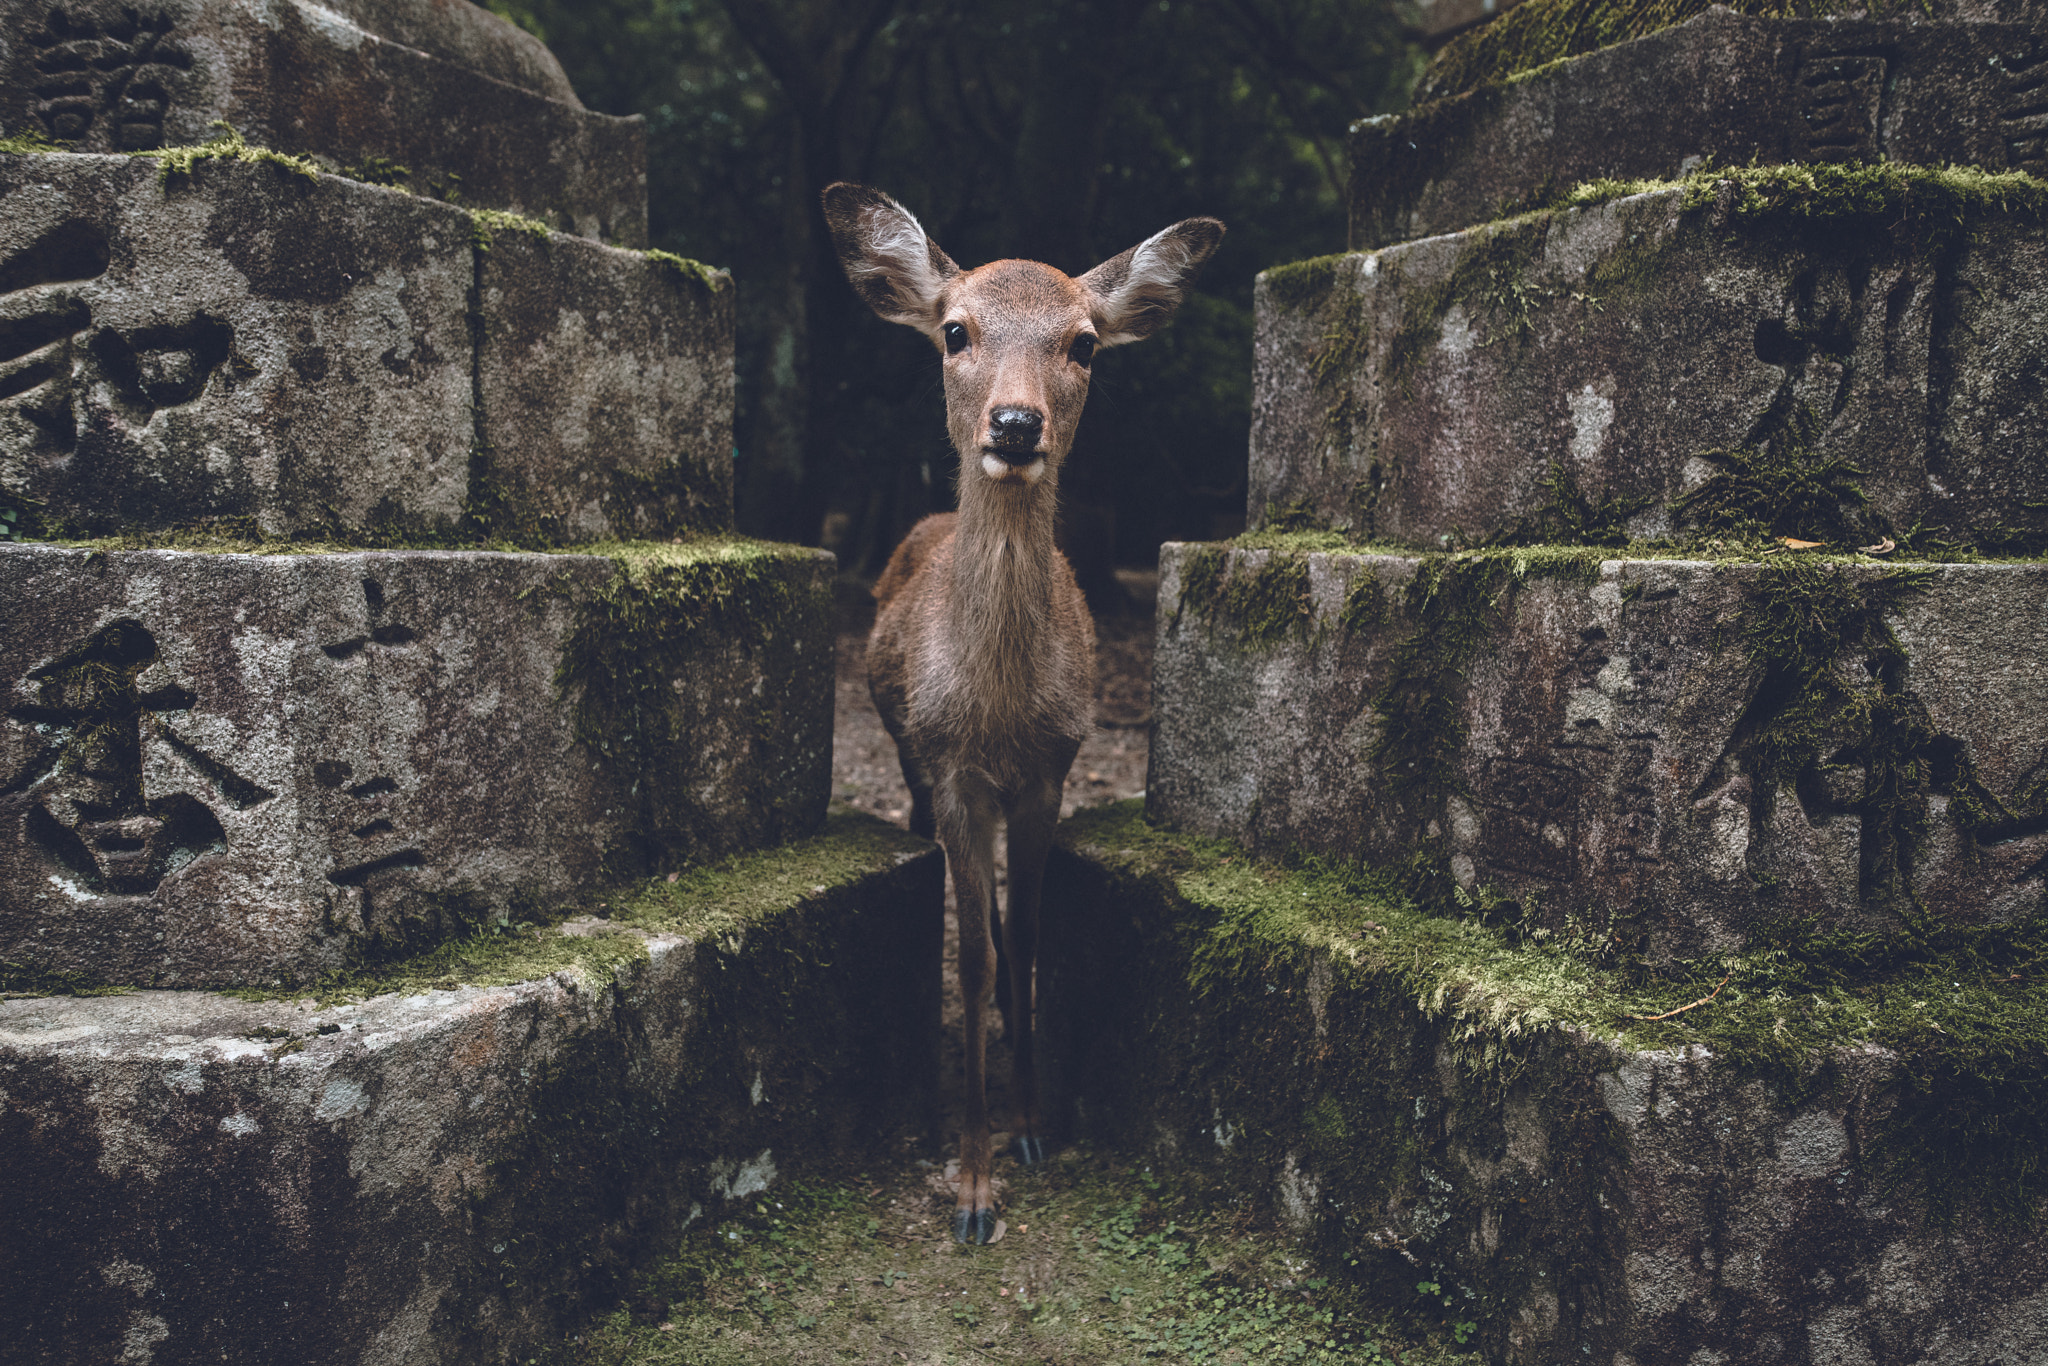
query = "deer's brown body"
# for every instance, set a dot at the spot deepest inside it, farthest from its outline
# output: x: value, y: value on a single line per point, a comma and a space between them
x: 982, y: 660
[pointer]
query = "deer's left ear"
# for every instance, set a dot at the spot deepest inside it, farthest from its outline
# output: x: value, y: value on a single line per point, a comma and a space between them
x: 1137, y: 291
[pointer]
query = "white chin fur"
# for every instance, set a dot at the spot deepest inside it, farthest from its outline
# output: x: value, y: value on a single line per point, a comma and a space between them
x: 1003, y: 472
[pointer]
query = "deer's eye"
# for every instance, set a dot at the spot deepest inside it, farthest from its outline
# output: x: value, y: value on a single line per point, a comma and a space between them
x: 1082, y: 351
x: 956, y: 339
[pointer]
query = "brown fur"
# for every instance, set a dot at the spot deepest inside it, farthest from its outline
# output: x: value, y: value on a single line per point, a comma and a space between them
x: 982, y: 659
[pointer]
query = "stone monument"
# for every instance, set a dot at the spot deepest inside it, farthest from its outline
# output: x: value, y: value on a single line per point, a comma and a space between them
x: 373, y: 616
x: 1646, y: 520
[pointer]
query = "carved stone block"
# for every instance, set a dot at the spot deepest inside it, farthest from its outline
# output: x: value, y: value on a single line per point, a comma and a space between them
x: 453, y: 1176
x: 465, y: 103
x: 244, y: 342
x: 222, y: 768
x: 1579, y: 1197
x: 1723, y: 89
x: 605, y: 388
x: 1643, y: 354
x: 1632, y: 739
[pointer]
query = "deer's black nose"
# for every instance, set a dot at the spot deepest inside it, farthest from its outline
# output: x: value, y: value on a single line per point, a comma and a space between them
x: 1013, y: 433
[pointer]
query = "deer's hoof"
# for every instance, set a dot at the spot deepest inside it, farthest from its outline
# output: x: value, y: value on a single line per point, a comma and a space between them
x: 1028, y: 1149
x: 974, y: 1226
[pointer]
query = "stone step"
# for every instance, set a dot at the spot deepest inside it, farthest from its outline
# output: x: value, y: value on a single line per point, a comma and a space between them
x: 323, y: 357
x: 476, y: 1149
x: 1722, y: 88
x: 1428, y: 1101
x: 1836, y: 354
x: 447, y: 99
x: 1683, y: 753
x: 235, y: 768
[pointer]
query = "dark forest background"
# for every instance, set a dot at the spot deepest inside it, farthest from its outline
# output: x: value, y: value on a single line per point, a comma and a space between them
x: 1063, y: 130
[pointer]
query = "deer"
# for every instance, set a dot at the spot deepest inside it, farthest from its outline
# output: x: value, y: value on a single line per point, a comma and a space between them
x: 982, y: 657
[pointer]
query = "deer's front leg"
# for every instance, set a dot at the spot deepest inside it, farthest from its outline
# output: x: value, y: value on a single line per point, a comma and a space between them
x: 966, y: 810
x: 1031, y: 828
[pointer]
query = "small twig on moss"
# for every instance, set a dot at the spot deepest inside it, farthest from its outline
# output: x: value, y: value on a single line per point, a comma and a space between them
x: 1682, y: 1009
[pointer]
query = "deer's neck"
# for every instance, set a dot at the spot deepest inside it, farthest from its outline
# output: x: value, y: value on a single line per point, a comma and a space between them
x: 1004, y: 583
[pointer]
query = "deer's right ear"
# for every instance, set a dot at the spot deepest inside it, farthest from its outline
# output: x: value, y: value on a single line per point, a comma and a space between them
x: 899, y: 271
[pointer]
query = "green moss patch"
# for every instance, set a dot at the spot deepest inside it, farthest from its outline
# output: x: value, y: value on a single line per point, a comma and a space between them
x: 29, y: 142
x: 711, y: 277
x: 721, y: 899
x: 179, y: 163
x: 1572, y: 516
x: 486, y: 224
x: 1779, y: 487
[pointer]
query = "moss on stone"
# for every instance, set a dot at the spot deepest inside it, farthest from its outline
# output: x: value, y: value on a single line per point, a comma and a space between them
x: 1489, y: 278
x: 1540, y: 33
x: 667, y: 605
x: 379, y: 170
x: 1965, y: 1009
x: 1454, y: 604
x: 1571, y: 516
x: 1283, y: 534
x: 1300, y: 284
x: 711, y: 277
x: 721, y: 899
x: 1934, y: 207
x: 1267, y: 602
x: 178, y: 163
x: 1779, y: 486
x: 485, y: 224
x: 787, y: 1046
x: 29, y: 142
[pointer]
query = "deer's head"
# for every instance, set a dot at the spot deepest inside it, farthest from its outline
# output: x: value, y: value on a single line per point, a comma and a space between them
x: 1019, y: 337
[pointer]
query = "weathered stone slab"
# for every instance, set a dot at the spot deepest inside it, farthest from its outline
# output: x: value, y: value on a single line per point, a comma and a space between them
x: 1722, y: 88
x: 1681, y: 751
x: 471, y: 107
x: 1654, y: 358
x: 458, y: 1176
x: 224, y: 768
x: 604, y: 388
x: 1425, y: 1104
x: 245, y: 342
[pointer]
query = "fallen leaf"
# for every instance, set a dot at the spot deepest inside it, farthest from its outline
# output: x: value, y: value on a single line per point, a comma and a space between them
x: 1883, y: 547
x: 673, y: 876
x: 997, y: 1236
x: 1794, y: 543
